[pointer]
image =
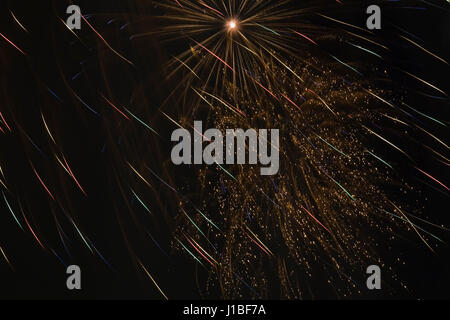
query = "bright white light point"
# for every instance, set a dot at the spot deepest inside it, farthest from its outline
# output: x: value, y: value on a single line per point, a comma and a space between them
x: 232, y: 24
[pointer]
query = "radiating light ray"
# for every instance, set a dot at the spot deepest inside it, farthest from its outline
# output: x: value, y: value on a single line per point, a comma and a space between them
x: 366, y: 50
x: 104, y: 41
x: 42, y: 182
x: 333, y: 147
x: 343, y: 23
x: 116, y: 108
x: 379, y: 98
x: 304, y: 36
x: 59, y: 258
x: 10, y: 210
x: 17, y: 21
x: 201, y: 253
x: 85, y: 104
x: 32, y: 231
x: 387, y: 141
x: 215, y: 55
x: 4, y: 121
x: 447, y: 160
x: 426, y: 116
x: 205, y: 252
x: 428, y: 222
x: 62, y: 164
x: 258, y: 244
x: 184, y: 64
x: 188, y: 251
x: 422, y: 48
x: 168, y: 117
x: 379, y: 159
x: 207, y: 219
x: 82, y: 237
x: 315, y: 219
x: 291, y: 102
x: 340, y: 186
x: 347, y: 65
x: 12, y: 43
x: 203, y: 98
x: 394, y: 119
x: 211, y: 8
x: 195, y: 225
x: 6, y: 258
x: 431, y: 135
x: 141, y: 122
x: 153, y: 280
x: 140, y: 176
x: 47, y: 129
x: 425, y: 231
x: 323, y: 101
x: 425, y: 82
x: 4, y: 184
x: 140, y: 201
x: 284, y: 65
x: 368, y: 40
x: 71, y: 31
x: 265, y: 89
x: 236, y: 110
x: 73, y: 177
x: 227, y: 172
x: 413, y: 226
x: 268, y: 29
x: 259, y: 240
x: 433, y: 178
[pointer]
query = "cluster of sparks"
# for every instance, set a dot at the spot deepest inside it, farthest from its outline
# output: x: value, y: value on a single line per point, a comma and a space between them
x: 253, y: 64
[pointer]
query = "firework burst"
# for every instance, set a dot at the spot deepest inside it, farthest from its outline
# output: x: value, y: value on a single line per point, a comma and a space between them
x: 351, y: 181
